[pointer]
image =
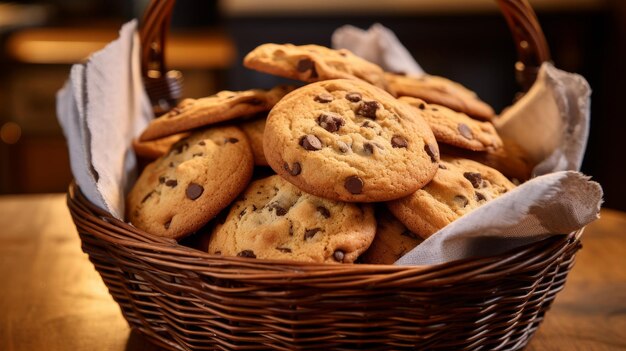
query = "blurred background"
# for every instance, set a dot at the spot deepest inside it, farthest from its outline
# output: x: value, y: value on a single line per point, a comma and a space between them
x: 465, y: 40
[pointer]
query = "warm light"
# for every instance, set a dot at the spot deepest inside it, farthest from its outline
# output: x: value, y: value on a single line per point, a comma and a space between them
x: 10, y: 132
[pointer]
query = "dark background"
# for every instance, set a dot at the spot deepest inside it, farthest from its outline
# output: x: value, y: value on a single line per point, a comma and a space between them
x: 471, y: 45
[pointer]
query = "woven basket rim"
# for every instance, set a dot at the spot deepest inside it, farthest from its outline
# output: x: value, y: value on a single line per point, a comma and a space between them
x: 104, y: 226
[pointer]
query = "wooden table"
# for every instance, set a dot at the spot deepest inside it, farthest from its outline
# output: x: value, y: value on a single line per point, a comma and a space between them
x: 51, y: 298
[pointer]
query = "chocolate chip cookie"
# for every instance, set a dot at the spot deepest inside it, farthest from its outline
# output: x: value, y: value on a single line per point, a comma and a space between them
x: 441, y: 91
x: 456, y: 128
x: 223, y: 106
x: 156, y: 148
x: 200, y: 175
x: 312, y: 63
x: 348, y: 140
x: 392, y: 240
x: 459, y: 186
x: 275, y: 220
x: 254, y: 129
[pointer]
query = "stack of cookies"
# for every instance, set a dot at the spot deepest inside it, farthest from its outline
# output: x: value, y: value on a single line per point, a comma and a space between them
x: 348, y: 168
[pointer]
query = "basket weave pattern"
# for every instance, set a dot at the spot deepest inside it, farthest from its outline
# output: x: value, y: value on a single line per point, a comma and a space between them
x: 184, y: 299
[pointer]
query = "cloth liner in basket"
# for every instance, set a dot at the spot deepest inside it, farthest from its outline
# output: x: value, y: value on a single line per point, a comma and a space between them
x: 185, y: 299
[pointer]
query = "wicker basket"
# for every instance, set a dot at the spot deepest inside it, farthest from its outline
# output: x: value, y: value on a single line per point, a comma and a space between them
x: 184, y: 299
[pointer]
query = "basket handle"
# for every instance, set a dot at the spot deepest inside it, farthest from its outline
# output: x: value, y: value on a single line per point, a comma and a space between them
x: 530, y: 42
x: 165, y: 87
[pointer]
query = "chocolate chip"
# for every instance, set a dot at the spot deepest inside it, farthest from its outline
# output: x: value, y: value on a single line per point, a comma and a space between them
x: 480, y: 196
x: 442, y: 166
x: 398, y: 142
x: 284, y: 249
x: 367, y: 124
x: 309, y: 233
x: 353, y: 184
x: 465, y: 131
x: 180, y: 147
x: 324, y: 98
x: 253, y: 207
x: 242, y: 213
x: 368, y: 148
x: 368, y: 109
x: 247, y: 253
x: 323, y: 211
x: 306, y: 64
x: 294, y: 170
x: 330, y: 121
x: 197, y: 154
x: 431, y: 151
x: 201, y: 143
x: 422, y: 106
x: 475, y: 178
x: 310, y: 142
x: 167, y: 224
x: 231, y: 140
x: 172, y: 183
x: 338, y: 255
x: 145, y: 198
x: 280, y: 211
x: 194, y: 191
x: 409, y: 234
x: 161, y: 179
x: 461, y: 200
x: 354, y: 97
x: 343, y: 147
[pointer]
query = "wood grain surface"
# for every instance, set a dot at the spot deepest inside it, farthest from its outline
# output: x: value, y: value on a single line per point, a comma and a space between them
x: 51, y: 298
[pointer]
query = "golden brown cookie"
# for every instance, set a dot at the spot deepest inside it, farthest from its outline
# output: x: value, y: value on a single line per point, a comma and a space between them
x: 459, y: 187
x: 441, y: 91
x: 275, y: 220
x: 154, y: 149
x: 392, y: 240
x: 312, y: 63
x: 223, y: 106
x: 348, y: 140
x: 456, y: 128
x: 180, y: 192
x: 254, y: 129
x: 510, y: 159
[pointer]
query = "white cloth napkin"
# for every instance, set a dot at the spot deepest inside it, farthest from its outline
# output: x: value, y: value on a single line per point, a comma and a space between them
x: 551, y: 124
x: 101, y: 108
x: 379, y: 45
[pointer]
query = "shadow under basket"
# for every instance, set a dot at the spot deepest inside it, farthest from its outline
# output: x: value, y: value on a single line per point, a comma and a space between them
x: 184, y: 299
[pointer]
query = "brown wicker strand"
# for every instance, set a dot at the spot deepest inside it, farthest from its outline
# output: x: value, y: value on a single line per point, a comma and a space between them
x: 530, y: 42
x: 183, y: 299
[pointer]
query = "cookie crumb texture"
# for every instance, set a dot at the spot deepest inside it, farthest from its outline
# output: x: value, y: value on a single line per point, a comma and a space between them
x: 312, y: 63
x: 275, y: 220
x: 223, y: 106
x: 180, y: 192
x: 459, y: 187
x: 440, y: 91
x: 254, y: 129
x: 350, y: 141
x: 456, y: 128
x: 393, y: 240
